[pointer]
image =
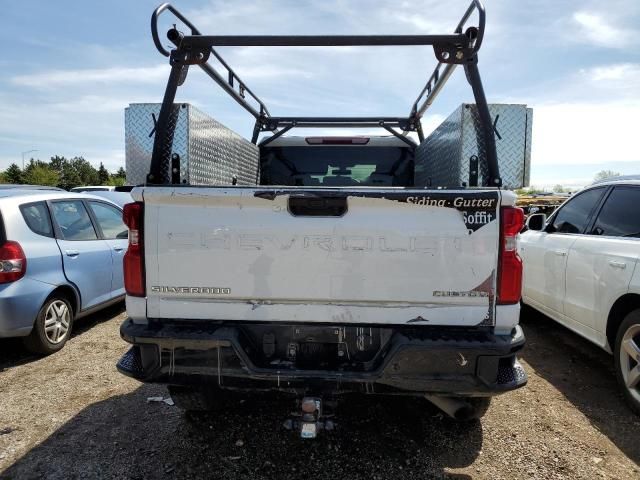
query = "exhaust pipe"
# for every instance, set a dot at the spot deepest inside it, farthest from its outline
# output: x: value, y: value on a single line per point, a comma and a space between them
x: 454, y: 407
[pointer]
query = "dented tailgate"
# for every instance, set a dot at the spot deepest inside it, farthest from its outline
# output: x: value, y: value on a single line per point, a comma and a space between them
x: 377, y: 256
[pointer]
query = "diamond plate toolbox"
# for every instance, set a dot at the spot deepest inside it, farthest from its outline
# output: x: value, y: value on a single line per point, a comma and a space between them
x: 210, y: 153
x: 446, y: 157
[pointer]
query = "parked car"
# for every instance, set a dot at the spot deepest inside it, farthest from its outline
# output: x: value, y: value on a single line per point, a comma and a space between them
x: 119, y: 198
x: 581, y: 268
x: 61, y: 258
x: 93, y: 188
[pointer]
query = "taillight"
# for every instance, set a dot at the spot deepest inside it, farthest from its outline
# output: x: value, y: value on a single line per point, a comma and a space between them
x: 13, y: 262
x: 133, y: 216
x: 510, y: 264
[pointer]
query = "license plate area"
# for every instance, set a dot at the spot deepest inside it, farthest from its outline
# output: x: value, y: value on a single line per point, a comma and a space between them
x: 307, y: 347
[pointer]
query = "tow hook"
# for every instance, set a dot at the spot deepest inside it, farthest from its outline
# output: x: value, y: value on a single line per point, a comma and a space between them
x: 310, y: 419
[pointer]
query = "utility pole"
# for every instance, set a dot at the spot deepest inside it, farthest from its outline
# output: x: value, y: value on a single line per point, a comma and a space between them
x: 23, y: 154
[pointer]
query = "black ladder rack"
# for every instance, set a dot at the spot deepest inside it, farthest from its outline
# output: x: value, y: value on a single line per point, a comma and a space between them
x: 458, y: 48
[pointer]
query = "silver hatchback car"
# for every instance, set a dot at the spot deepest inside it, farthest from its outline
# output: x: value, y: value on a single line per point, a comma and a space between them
x: 60, y: 259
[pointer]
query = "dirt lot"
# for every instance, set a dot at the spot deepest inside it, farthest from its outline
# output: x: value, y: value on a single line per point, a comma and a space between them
x: 73, y: 416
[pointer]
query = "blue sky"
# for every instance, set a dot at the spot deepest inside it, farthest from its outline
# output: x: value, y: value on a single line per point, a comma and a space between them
x: 68, y: 72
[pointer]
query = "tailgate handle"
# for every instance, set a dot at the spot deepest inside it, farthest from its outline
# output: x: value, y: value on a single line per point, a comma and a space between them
x: 317, y: 206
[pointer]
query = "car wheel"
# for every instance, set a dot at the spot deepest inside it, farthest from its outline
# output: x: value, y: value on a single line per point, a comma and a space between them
x: 52, y: 327
x: 627, y: 359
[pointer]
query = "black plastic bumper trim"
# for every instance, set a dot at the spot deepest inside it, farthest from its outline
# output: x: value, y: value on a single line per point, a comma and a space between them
x: 437, y: 360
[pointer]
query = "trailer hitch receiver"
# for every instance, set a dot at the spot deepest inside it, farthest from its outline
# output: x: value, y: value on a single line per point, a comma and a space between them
x: 309, y: 419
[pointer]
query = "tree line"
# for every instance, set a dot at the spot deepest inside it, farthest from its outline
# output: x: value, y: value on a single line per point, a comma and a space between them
x: 601, y: 175
x: 62, y: 172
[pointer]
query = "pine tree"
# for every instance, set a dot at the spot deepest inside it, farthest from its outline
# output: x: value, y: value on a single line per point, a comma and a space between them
x: 41, y: 174
x: 69, y: 177
x: 605, y: 174
x: 103, y: 175
x: 57, y: 163
x: 13, y: 174
x: 87, y: 173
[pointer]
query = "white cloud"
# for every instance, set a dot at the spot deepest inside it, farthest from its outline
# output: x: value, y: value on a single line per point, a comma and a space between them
x: 595, y: 29
x: 89, y: 125
x: 261, y: 72
x: 585, y: 118
x: 605, y: 83
x: 98, y: 104
x: 622, y: 71
x: 595, y: 84
x: 325, y: 17
x: 419, y: 22
x: 583, y: 114
x: 431, y: 122
x: 89, y: 77
x: 583, y: 133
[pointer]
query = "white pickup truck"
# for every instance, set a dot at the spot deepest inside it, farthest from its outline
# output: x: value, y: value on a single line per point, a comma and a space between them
x: 332, y: 273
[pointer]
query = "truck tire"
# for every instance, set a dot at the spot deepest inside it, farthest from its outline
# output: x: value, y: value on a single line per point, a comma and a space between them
x: 195, y: 399
x: 627, y: 359
x: 52, y: 327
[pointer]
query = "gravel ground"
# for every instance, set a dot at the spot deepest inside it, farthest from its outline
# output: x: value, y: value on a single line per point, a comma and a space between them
x: 72, y: 415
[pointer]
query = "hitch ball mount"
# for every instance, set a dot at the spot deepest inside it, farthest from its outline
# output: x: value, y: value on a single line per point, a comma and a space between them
x: 309, y: 419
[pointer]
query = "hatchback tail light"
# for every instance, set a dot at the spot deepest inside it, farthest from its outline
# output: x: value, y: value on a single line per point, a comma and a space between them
x: 134, y: 282
x: 13, y: 262
x: 510, y: 264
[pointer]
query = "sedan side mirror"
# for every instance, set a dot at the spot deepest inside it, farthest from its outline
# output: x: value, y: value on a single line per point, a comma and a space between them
x: 536, y: 222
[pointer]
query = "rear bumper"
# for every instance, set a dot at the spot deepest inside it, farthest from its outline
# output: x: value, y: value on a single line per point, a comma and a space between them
x: 436, y: 360
x: 20, y: 303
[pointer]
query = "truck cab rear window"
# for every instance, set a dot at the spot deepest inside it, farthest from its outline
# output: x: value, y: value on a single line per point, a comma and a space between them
x: 337, y: 166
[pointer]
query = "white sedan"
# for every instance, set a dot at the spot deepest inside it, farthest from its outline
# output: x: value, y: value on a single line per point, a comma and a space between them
x: 582, y: 269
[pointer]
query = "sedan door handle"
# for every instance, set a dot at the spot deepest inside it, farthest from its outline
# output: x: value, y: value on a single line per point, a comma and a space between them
x: 118, y: 249
x: 72, y: 253
x: 561, y: 253
x: 620, y: 265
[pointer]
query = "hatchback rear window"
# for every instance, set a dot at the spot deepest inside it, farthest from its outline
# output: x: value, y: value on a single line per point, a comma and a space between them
x: 36, y: 215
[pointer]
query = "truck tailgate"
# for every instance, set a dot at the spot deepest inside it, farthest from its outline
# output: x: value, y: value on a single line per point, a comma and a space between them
x: 300, y: 254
